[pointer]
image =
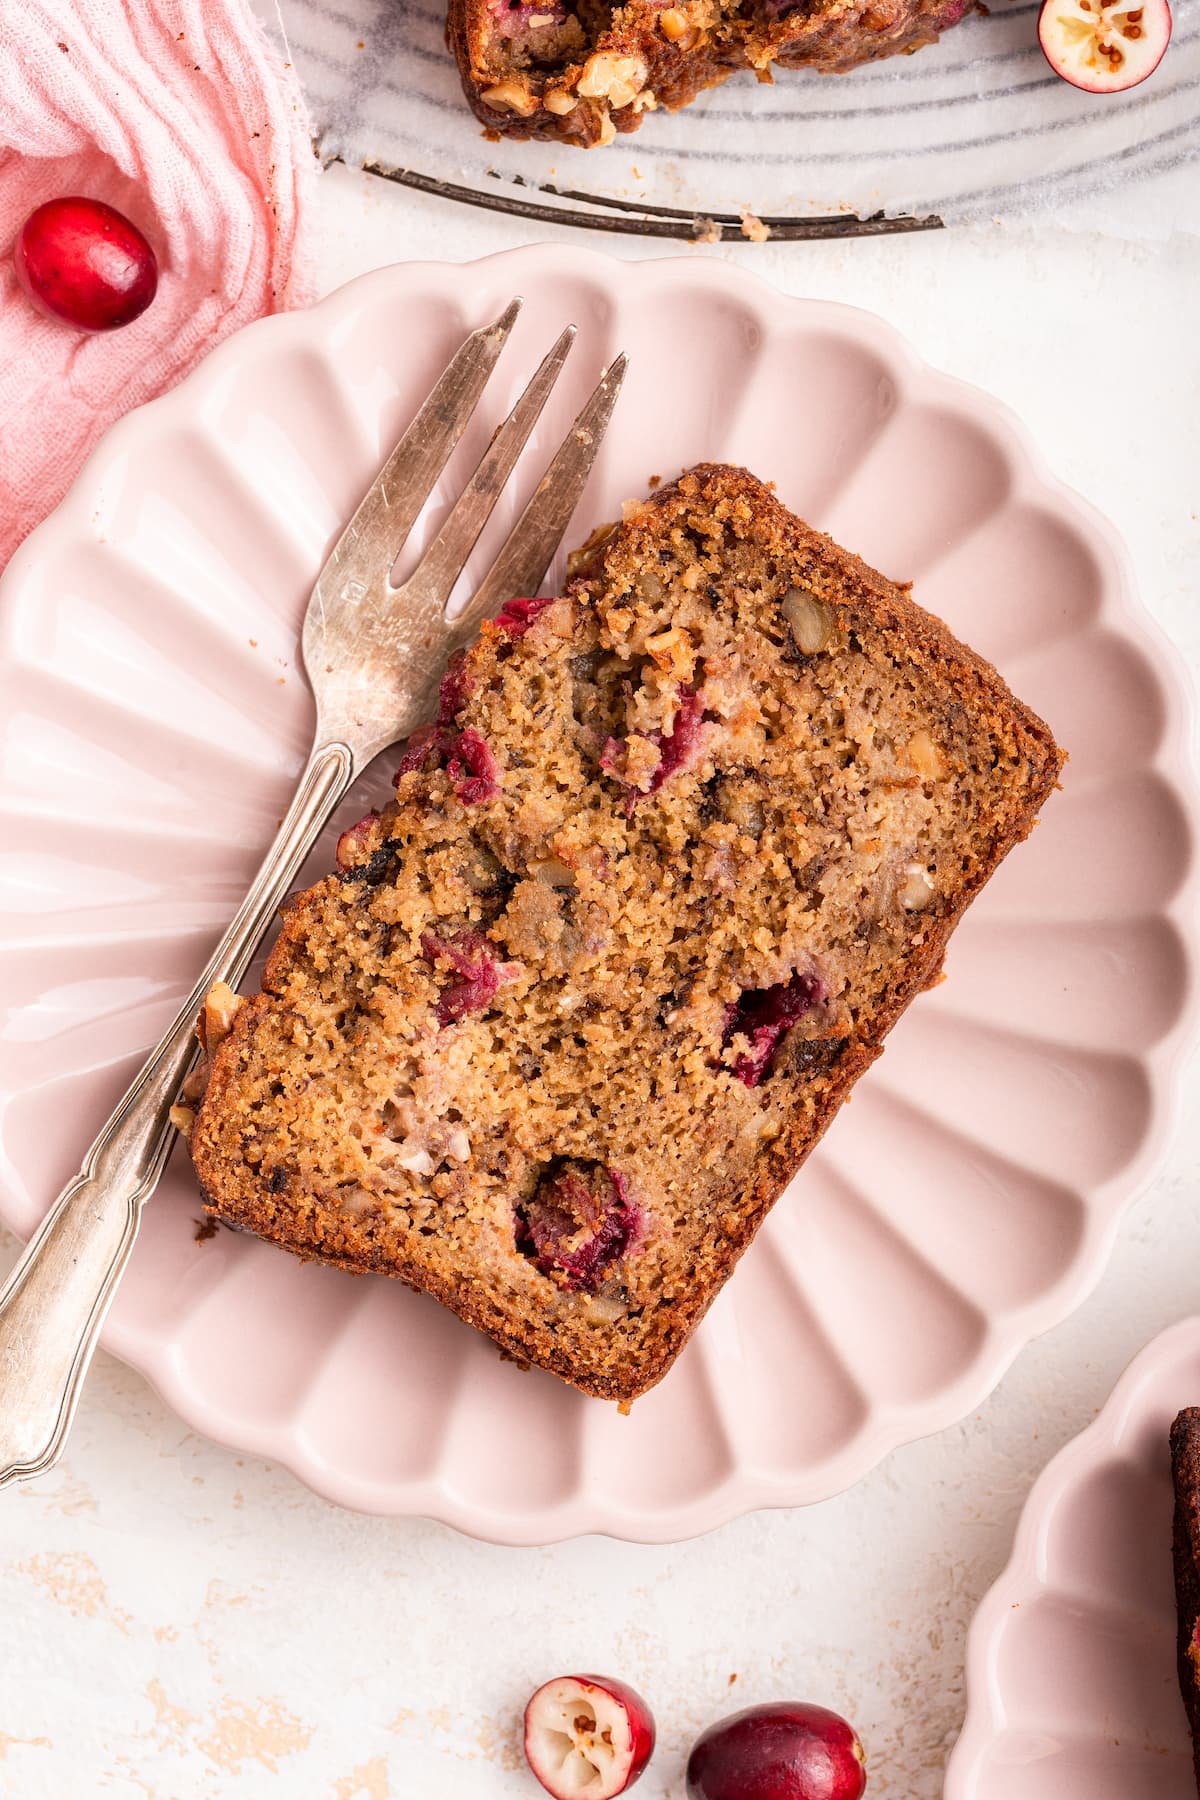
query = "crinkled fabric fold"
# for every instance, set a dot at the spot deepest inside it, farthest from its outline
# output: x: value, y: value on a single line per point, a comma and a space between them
x: 181, y: 114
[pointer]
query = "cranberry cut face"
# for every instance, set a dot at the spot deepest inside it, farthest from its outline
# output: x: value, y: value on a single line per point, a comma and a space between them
x: 518, y: 615
x: 589, y: 1736
x: 477, y: 977
x: 679, y: 750
x: 350, y: 844
x: 424, y: 750
x: 466, y: 756
x: 83, y: 262
x: 1104, y: 46
x: 473, y: 769
x: 454, y: 690
x: 580, y: 1222
x: 764, y: 1016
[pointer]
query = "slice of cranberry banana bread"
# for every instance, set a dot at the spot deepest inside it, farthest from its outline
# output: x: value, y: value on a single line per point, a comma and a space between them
x: 678, y: 850
x: 581, y: 71
x: 1185, y: 1472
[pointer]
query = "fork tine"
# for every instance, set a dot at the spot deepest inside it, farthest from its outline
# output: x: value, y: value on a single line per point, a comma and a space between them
x: 529, y: 548
x: 387, y: 512
x: 435, y: 575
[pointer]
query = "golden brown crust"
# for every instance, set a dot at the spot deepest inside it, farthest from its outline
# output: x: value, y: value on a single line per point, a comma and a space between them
x: 817, y: 1072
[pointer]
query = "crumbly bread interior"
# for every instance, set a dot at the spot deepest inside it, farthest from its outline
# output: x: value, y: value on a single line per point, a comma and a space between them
x: 581, y: 70
x: 679, y: 848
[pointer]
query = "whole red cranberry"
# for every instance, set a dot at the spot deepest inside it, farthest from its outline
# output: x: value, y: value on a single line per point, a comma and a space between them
x: 788, y: 1751
x: 82, y: 261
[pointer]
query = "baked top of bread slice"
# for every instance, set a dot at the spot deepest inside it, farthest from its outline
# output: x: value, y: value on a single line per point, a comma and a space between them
x: 582, y: 70
x: 680, y: 847
x: 1185, y: 1473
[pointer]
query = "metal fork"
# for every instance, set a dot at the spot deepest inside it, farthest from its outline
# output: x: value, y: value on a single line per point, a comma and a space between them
x: 373, y: 653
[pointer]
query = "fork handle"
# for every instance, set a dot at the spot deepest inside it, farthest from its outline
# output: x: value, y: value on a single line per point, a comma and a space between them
x: 54, y: 1301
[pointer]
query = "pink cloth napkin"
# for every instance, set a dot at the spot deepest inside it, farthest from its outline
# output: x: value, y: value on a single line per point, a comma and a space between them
x: 180, y: 114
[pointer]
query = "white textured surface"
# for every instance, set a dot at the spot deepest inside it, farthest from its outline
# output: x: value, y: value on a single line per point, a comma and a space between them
x: 179, y: 1622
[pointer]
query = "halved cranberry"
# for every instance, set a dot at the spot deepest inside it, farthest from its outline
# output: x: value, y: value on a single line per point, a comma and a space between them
x: 352, y: 840
x: 579, y: 1223
x: 677, y: 750
x: 588, y: 1735
x: 1104, y: 46
x: 764, y: 1015
x: 426, y: 742
x: 480, y: 972
x: 456, y: 685
x: 466, y: 756
x: 518, y: 615
x: 473, y: 769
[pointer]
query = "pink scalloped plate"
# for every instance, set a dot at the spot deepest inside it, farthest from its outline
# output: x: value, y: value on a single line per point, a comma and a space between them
x: 152, y: 720
x: 1072, y: 1690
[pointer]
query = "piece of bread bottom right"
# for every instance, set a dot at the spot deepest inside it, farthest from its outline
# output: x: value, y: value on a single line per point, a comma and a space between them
x: 681, y: 846
x: 1185, y: 1473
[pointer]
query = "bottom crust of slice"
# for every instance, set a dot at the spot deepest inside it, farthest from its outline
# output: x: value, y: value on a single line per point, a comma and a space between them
x: 315, y: 1238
